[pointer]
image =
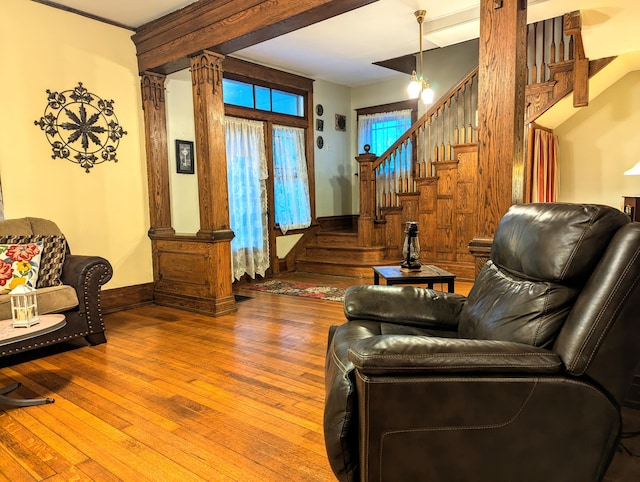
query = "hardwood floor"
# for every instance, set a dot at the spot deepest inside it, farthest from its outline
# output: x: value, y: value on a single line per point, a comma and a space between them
x: 177, y: 396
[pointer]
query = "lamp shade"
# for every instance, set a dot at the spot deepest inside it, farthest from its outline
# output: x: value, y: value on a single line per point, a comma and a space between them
x: 634, y: 171
x: 427, y: 95
x: 414, y: 87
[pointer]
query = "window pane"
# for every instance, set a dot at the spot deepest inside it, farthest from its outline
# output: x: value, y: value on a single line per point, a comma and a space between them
x: 237, y: 93
x: 263, y: 98
x: 286, y: 103
x: 290, y: 179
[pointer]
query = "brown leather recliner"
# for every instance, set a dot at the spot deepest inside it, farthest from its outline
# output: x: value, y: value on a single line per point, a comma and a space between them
x: 521, y: 380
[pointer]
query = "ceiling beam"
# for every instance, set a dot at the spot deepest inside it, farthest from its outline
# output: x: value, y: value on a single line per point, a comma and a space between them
x: 226, y: 26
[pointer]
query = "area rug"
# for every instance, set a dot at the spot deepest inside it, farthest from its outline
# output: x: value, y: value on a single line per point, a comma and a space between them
x: 299, y: 289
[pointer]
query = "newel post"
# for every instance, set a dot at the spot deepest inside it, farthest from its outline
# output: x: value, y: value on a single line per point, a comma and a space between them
x: 367, y: 197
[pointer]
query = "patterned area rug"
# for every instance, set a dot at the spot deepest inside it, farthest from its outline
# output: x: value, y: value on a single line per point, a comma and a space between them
x: 299, y: 289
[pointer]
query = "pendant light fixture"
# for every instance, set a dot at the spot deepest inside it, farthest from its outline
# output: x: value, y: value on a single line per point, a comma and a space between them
x: 419, y: 86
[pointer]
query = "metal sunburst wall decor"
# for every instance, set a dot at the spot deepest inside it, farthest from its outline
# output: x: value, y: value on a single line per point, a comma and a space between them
x: 81, y: 127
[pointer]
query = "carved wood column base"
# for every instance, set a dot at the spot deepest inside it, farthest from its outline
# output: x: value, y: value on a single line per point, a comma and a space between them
x: 480, y: 248
x: 206, y: 306
x: 193, y: 274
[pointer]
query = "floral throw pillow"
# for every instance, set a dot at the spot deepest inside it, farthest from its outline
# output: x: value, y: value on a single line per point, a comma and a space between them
x: 54, y: 249
x: 19, y: 265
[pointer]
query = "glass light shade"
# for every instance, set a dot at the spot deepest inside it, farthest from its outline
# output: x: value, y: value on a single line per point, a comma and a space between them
x: 634, y: 171
x: 411, y: 247
x: 427, y: 95
x: 24, y: 307
x: 414, y: 86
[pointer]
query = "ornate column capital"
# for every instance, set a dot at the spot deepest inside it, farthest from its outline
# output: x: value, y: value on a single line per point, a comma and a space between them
x: 206, y: 71
x: 152, y: 86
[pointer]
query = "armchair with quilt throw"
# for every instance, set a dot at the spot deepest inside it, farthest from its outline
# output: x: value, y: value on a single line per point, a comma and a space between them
x: 520, y: 380
x: 66, y: 283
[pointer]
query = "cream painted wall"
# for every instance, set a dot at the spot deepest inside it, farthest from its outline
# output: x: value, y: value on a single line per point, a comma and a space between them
x: 334, y: 168
x: 185, y: 208
x: 104, y: 212
x: 599, y: 143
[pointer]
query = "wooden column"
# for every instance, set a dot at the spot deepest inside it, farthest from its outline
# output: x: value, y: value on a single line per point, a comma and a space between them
x: 213, y: 240
x: 155, y: 123
x: 208, y: 106
x: 367, y: 197
x: 501, y: 92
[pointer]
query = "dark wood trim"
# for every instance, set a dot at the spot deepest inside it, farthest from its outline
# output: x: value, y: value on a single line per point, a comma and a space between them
x: 411, y: 104
x: 83, y: 14
x: 225, y: 26
x: 126, y: 298
x: 239, y: 69
x: 265, y: 116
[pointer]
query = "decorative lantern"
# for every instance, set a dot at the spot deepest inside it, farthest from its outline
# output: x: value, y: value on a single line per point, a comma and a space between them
x: 411, y: 247
x: 24, y: 307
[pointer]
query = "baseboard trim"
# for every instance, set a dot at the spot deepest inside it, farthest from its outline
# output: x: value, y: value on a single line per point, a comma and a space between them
x: 126, y: 298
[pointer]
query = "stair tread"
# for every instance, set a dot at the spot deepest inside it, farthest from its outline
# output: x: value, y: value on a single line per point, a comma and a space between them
x: 347, y: 247
x: 352, y: 262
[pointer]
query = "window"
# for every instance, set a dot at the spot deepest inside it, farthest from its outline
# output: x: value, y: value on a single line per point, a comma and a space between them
x: 381, y: 130
x: 244, y: 94
x: 290, y: 179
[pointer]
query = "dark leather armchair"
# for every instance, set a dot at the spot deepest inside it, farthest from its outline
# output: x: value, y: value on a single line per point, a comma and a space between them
x: 521, y: 380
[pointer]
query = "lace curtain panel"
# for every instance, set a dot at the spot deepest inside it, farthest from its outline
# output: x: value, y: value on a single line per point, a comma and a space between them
x: 247, y: 176
x: 290, y: 179
x: 380, y: 131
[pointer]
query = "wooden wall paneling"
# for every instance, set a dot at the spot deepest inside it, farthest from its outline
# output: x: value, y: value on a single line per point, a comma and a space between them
x: 200, y: 288
x: 465, y: 199
x: 394, y: 232
x: 409, y: 202
x: 427, y: 216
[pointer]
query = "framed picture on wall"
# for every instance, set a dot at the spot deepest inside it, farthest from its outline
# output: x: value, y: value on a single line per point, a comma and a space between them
x: 184, y: 157
x: 341, y: 122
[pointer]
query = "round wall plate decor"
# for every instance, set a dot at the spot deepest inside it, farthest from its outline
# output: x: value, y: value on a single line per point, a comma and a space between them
x: 319, y: 109
x: 320, y: 142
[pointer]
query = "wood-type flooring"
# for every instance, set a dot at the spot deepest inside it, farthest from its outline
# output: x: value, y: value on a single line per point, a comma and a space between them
x: 177, y: 396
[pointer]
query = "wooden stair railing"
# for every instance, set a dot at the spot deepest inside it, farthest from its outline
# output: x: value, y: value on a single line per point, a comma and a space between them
x: 450, y: 122
x: 554, y: 49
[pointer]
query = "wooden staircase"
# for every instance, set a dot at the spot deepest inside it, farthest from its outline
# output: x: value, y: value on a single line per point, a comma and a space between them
x: 439, y: 190
x: 336, y: 252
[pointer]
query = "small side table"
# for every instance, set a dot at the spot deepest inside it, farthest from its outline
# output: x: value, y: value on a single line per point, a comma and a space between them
x: 9, y: 334
x: 428, y: 274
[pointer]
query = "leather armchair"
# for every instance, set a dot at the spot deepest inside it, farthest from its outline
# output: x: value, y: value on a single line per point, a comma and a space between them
x: 520, y: 380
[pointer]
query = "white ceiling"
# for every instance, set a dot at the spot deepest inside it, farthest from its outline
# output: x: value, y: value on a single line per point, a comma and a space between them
x: 343, y: 49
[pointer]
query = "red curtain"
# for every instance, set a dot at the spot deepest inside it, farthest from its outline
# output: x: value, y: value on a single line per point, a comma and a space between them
x: 543, y: 165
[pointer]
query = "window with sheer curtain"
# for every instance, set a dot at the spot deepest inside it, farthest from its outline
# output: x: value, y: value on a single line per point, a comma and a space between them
x: 247, y: 177
x: 382, y: 129
x: 290, y: 179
